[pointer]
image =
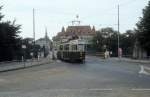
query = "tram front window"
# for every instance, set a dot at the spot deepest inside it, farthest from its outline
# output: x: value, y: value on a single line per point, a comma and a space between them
x: 74, y: 47
x: 81, y: 47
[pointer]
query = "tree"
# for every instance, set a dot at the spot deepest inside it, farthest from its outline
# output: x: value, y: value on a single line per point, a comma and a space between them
x: 106, y: 38
x: 1, y: 16
x: 127, y: 41
x: 10, y: 45
x: 110, y: 39
x: 98, y: 41
x: 143, y: 29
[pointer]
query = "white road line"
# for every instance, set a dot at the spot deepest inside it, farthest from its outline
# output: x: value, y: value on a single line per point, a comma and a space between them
x: 142, y: 70
x: 82, y: 89
x: 140, y: 89
x: 100, y: 89
x: 58, y: 61
x: 97, y: 89
x: 147, y: 68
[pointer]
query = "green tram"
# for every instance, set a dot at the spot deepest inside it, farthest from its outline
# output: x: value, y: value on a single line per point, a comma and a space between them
x: 71, y: 51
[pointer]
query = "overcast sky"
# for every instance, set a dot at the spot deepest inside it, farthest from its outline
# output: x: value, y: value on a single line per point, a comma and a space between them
x: 54, y: 14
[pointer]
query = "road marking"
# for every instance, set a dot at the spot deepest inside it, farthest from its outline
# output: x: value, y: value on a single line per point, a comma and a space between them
x: 147, y: 68
x: 142, y: 70
x: 82, y: 89
x: 58, y: 61
x: 100, y: 89
x: 140, y: 89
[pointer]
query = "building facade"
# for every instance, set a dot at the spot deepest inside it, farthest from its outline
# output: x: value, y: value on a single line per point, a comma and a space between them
x: 45, y: 43
x: 83, y: 33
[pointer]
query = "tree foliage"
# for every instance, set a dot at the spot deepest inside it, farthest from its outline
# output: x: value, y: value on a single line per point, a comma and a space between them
x: 10, y: 44
x: 143, y: 29
x: 107, y: 39
x: 1, y: 16
x: 127, y: 42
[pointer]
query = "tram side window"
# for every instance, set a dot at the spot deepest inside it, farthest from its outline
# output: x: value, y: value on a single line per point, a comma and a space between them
x: 66, y: 47
x: 61, y: 47
x: 74, y: 47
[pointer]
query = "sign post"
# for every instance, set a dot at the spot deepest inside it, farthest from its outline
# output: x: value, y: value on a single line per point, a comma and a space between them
x: 24, y: 47
x: 120, y: 52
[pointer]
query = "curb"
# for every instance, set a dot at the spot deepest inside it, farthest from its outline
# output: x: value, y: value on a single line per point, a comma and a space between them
x: 136, y: 61
x: 133, y: 61
x: 19, y: 68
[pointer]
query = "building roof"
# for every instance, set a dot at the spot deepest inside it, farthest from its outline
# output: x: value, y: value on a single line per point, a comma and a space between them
x: 43, y: 39
x: 29, y: 39
x: 75, y: 31
x: 79, y: 30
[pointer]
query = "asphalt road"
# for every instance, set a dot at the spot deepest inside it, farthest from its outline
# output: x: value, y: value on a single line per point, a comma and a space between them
x: 95, y: 78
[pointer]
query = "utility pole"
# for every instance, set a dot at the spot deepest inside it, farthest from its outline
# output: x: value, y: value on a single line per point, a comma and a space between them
x: 34, y: 25
x: 33, y: 33
x: 46, y: 35
x: 118, y: 32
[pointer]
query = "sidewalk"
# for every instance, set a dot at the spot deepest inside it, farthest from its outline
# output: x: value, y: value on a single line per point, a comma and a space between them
x: 9, y: 66
x: 133, y: 60
x: 143, y: 64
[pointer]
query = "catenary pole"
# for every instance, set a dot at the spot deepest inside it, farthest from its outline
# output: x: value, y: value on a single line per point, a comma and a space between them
x: 118, y: 30
x: 34, y: 25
